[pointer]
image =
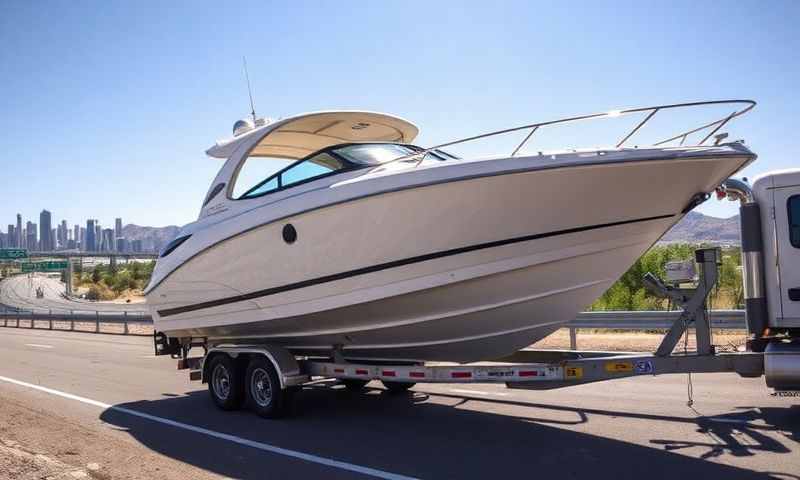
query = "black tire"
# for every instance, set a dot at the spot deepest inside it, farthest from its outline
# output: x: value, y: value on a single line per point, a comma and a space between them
x: 263, y: 389
x: 225, y: 382
x: 397, y: 387
x: 354, y: 384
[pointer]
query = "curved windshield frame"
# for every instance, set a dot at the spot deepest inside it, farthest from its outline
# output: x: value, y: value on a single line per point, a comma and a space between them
x: 314, y: 167
x: 336, y: 159
x: 374, y: 154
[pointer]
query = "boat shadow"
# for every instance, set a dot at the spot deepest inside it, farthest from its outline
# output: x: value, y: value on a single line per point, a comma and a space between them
x: 409, y: 434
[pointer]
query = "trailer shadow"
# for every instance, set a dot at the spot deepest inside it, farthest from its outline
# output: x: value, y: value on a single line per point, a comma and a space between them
x: 410, y: 434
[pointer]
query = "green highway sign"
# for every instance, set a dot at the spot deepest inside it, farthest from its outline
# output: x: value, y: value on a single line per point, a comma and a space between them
x: 47, y: 266
x: 13, y: 253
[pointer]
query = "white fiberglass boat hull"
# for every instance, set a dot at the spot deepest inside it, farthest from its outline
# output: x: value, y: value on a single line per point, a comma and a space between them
x: 459, y: 262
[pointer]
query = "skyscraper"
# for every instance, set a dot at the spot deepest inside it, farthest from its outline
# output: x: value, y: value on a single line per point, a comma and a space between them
x: 18, y: 231
x: 45, y: 232
x: 118, y: 228
x: 98, y: 236
x: 90, y: 238
x: 76, y: 235
x: 30, y: 234
x: 12, y: 236
x: 64, y: 234
x: 108, y: 240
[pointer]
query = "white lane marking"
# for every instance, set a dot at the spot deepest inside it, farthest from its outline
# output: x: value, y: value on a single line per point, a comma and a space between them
x: 477, y: 392
x: 222, y: 436
x: 38, y: 345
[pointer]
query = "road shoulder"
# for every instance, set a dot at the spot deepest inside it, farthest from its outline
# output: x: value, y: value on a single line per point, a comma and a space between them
x: 38, y: 444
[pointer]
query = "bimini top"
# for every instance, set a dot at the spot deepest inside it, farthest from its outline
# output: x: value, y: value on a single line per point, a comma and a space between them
x: 299, y: 136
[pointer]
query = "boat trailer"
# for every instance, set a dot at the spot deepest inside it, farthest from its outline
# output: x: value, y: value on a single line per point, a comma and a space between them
x: 223, y: 366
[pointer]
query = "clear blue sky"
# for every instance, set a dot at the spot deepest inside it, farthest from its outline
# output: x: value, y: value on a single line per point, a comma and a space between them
x: 107, y: 107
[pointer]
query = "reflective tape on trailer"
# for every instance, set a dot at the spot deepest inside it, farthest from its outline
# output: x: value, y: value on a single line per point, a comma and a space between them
x: 441, y: 374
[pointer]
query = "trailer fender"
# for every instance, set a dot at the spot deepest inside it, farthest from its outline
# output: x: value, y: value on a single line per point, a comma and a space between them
x: 284, y: 362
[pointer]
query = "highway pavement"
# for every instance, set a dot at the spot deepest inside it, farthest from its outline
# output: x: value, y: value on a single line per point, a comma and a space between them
x: 631, y: 428
x: 20, y: 292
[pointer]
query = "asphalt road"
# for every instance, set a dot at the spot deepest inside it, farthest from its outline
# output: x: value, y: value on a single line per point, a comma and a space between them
x: 631, y: 428
x: 20, y: 292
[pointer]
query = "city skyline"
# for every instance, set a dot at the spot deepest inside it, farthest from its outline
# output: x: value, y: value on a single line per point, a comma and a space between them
x: 42, y: 237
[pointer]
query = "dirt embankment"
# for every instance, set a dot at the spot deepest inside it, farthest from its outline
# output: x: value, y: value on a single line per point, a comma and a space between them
x: 38, y: 445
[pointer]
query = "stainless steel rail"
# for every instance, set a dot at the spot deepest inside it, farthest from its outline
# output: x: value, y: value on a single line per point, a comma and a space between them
x: 651, y: 111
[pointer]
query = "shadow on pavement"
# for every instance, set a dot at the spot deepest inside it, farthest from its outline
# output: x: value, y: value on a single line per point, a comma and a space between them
x: 409, y: 435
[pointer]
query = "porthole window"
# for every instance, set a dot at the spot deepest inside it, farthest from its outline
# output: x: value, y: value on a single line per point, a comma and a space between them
x: 289, y: 233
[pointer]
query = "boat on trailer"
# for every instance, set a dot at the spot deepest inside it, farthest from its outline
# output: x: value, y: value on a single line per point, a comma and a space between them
x: 332, y: 232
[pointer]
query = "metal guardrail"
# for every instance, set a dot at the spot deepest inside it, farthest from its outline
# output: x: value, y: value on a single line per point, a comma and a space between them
x: 644, y: 320
x: 97, y: 321
x: 649, y: 320
x: 652, y: 320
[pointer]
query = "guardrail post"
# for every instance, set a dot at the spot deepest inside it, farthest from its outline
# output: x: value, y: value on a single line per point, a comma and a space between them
x: 5, y: 317
x: 573, y: 338
x: 50, y: 319
x: 96, y: 321
x: 71, y: 320
x: 17, y: 317
x: 125, y: 314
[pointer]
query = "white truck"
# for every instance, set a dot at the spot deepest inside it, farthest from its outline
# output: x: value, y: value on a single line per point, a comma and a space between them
x: 770, y: 232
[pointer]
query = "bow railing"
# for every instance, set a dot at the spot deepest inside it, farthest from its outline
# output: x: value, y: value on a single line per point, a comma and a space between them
x: 742, y: 107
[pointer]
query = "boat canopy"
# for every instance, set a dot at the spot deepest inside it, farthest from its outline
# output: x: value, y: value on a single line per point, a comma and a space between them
x: 299, y: 136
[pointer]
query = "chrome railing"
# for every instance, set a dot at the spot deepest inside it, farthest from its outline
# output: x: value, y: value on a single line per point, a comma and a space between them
x: 743, y: 106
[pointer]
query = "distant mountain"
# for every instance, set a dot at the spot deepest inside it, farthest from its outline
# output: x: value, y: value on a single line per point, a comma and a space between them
x: 153, y: 238
x: 698, y: 228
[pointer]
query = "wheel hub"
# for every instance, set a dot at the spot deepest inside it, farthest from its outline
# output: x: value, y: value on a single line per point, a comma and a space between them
x: 222, y: 382
x: 262, y: 391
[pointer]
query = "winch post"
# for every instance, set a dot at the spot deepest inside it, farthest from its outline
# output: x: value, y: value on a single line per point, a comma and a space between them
x: 693, y: 303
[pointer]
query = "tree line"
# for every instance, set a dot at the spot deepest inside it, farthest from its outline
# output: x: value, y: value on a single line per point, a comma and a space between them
x: 109, y: 281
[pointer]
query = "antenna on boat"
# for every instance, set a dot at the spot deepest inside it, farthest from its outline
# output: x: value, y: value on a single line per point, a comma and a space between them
x: 249, y: 90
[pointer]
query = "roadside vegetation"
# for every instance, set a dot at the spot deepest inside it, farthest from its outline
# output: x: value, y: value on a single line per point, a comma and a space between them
x: 104, y: 282
x: 629, y: 293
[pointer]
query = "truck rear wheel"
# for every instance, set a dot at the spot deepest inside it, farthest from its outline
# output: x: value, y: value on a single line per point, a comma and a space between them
x: 225, y: 383
x: 397, y: 387
x: 263, y: 389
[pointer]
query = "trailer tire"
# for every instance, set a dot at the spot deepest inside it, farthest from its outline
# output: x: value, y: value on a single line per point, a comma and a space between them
x: 354, y: 384
x: 225, y: 383
x: 263, y: 389
x: 397, y: 387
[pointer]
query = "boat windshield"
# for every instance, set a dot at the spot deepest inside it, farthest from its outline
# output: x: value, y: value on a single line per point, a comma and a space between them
x: 380, y: 153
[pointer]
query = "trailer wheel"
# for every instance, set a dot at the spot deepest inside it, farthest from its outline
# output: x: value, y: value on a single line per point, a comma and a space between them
x: 354, y: 384
x: 225, y: 382
x: 264, y: 393
x: 397, y: 387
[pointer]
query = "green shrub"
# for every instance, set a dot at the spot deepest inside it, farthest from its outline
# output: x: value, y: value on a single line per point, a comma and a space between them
x: 629, y: 292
